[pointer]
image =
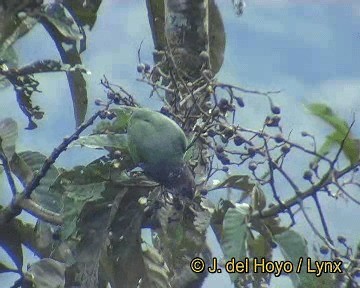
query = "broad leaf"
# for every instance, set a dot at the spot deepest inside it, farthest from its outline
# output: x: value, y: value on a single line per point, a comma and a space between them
x: 157, y: 272
x: 63, y: 23
x: 293, y: 247
x: 351, y: 146
x: 101, y: 141
x: 240, y: 182
x: 235, y: 233
x: 87, y: 13
x: 61, y: 29
x: 118, y: 125
x: 77, y: 196
x: 5, y: 269
x: 8, y: 137
x: 10, y: 241
x: 42, y: 193
x: 48, y: 273
x: 10, y: 60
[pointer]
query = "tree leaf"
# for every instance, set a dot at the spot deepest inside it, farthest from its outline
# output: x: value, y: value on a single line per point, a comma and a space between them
x: 8, y: 136
x: 12, y: 28
x: 21, y: 170
x: 240, y: 182
x: 10, y: 60
x: 351, y: 147
x: 156, y: 271
x: 77, y: 196
x: 42, y: 193
x: 325, y: 113
x: 235, y: 233
x: 118, y: 125
x: 94, y: 228
x: 293, y: 246
x: 48, y: 273
x: 86, y: 14
x: 101, y: 141
x: 70, y: 54
x: 5, y: 269
x: 56, y: 15
x: 10, y: 241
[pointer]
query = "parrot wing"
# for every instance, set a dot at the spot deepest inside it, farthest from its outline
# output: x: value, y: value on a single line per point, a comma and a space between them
x: 154, y: 138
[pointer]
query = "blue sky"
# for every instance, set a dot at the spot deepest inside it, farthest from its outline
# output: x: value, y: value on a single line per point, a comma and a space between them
x: 308, y: 49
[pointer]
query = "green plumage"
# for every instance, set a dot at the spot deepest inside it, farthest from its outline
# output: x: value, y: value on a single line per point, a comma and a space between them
x: 158, y: 145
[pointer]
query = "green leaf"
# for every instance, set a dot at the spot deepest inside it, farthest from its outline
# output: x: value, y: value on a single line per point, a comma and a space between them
x: 235, y: 233
x: 240, y: 182
x: 101, y: 141
x: 259, y: 247
x: 325, y: 113
x: 62, y: 22
x: 13, y: 30
x: 118, y: 125
x: 42, y: 193
x: 156, y: 271
x: 351, y: 146
x: 94, y: 225
x: 10, y: 59
x: 10, y: 241
x: 87, y: 14
x: 5, y: 269
x: 48, y: 273
x: 60, y: 27
x: 8, y: 136
x: 77, y: 196
x: 21, y: 170
x: 293, y: 246
x: 202, y: 218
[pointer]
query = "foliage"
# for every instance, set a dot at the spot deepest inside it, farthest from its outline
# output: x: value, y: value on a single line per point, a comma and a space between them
x: 91, y: 218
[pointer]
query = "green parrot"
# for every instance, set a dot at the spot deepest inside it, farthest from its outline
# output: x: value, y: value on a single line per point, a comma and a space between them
x: 157, y: 144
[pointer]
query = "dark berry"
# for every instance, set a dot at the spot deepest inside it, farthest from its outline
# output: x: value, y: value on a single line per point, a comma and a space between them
x: 279, y: 138
x: 140, y: 68
x: 307, y: 175
x: 272, y: 121
x: 341, y: 239
x: 98, y: 102
x: 225, y: 169
x: 103, y: 115
x: 285, y: 149
x: 251, y: 151
x: 147, y: 67
x: 203, y: 192
x: 324, y: 250
x: 275, y: 109
x: 225, y: 161
x: 219, y: 149
x: 239, y: 101
x: 238, y: 140
x: 228, y: 132
x: 223, y: 105
x: 252, y: 166
x: 211, y: 133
